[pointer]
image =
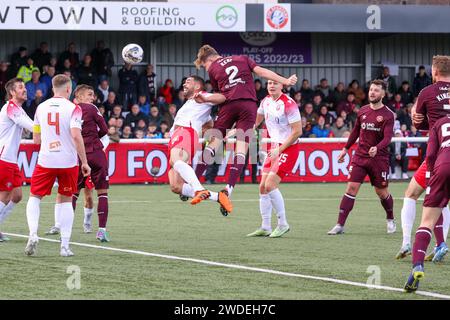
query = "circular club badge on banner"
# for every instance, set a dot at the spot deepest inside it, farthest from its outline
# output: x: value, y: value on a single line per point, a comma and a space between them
x: 277, y: 17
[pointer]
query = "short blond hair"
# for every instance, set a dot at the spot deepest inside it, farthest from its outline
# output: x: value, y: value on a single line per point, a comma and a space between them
x: 81, y: 88
x: 442, y: 65
x: 204, y: 53
x: 60, y: 81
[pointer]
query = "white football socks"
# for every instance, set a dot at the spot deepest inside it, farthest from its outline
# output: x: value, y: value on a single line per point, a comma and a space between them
x: 265, y: 207
x: 33, y: 213
x: 214, y: 196
x: 187, y: 190
x: 278, y: 203
x: 66, y: 219
x: 58, y: 215
x: 408, y: 215
x: 188, y: 174
x: 446, y: 224
x: 229, y: 189
x: 6, y: 211
x: 88, y: 215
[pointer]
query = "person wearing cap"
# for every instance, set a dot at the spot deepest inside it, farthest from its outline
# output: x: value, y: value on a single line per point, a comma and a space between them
x: 398, y: 156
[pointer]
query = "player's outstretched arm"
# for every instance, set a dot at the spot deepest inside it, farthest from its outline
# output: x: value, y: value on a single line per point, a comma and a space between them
x: 270, y: 75
x: 79, y: 145
x: 215, y: 98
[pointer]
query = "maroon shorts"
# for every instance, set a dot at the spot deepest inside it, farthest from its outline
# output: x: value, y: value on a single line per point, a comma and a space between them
x: 43, y: 179
x: 241, y: 112
x: 10, y: 176
x: 420, y: 174
x: 99, y: 171
x: 376, y: 168
x: 438, y: 190
x: 285, y: 162
x: 185, y: 138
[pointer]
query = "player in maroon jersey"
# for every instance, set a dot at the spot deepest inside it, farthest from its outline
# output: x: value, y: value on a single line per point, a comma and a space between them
x: 436, y: 198
x: 93, y: 129
x: 233, y: 77
x: 374, y: 127
x: 432, y: 104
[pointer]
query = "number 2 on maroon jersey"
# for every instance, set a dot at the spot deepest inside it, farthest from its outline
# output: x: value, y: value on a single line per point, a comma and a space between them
x: 232, y: 72
x: 53, y: 123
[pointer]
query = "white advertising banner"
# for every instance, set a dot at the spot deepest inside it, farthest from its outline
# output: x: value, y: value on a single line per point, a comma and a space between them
x: 277, y: 17
x: 121, y: 16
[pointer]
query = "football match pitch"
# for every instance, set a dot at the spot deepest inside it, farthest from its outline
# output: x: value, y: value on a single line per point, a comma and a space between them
x: 163, y: 248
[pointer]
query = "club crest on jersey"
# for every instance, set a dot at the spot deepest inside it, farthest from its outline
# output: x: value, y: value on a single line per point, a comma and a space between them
x: 364, y: 117
x: 380, y: 118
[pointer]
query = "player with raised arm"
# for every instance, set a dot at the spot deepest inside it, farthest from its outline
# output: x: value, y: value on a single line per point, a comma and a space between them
x: 184, y: 143
x: 57, y: 128
x: 284, y: 124
x: 94, y: 128
x: 436, y: 198
x: 374, y: 127
x: 233, y: 77
x: 13, y: 119
x: 433, y: 103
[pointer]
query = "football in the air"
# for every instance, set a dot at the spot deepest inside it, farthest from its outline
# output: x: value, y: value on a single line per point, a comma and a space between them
x: 132, y: 53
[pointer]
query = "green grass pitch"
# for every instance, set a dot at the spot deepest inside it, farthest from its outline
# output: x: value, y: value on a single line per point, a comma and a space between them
x: 150, y: 218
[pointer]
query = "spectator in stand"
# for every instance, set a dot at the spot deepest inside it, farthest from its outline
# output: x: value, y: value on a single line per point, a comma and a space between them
x: 208, y: 86
x: 103, y: 90
x: 152, y: 131
x: 307, y: 92
x: 18, y: 59
x: 309, y: 114
x: 324, y: 90
x: 71, y: 55
x: 41, y: 56
x: 147, y: 83
x: 4, y: 77
x: 33, y: 85
x: 112, y: 122
x: 338, y: 95
x: 398, y: 156
x: 128, y: 85
x: 155, y: 116
x: 329, y: 119
x: 66, y: 66
x: 141, y: 125
x: 396, y: 104
x: 359, y: 93
x: 298, y: 99
x: 405, y: 93
x: 167, y: 91
x: 169, y: 117
x: 113, y: 134
x: 127, y: 133
x: 139, y: 134
x: 102, y: 60
x: 180, y: 99
x: 339, y: 128
x: 351, y: 117
x: 74, y: 83
x: 53, y: 63
x: 164, y: 127
x: 421, y: 80
x: 348, y: 105
x: 346, y: 134
x: 347, y: 121
x: 111, y: 102
x: 47, y: 80
x: 389, y: 80
x: 307, y: 128
x: 120, y: 124
x: 320, y: 130
x: 134, y: 116
x: 317, y: 102
x: 404, y: 130
x: 102, y: 111
x: 37, y: 100
x: 26, y: 70
x: 144, y: 106
x: 261, y: 92
x: 86, y: 73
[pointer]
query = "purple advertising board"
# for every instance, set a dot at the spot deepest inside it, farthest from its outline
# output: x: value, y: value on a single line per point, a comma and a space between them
x: 263, y: 47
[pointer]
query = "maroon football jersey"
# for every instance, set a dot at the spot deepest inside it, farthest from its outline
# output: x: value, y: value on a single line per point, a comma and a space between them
x: 232, y: 76
x: 374, y: 128
x: 438, y: 149
x: 94, y: 127
x: 434, y: 103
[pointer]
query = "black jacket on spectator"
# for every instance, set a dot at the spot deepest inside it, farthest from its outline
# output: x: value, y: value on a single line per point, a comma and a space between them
x: 103, y: 61
x: 147, y: 85
x: 407, y: 96
x: 420, y: 83
x: 87, y: 75
x: 128, y: 81
x: 40, y: 58
x: 73, y: 57
x: 16, y: 63
x: 404, y: 118
x: 336, y: 97
x: 31, y: 110
x: 132, y: 120
x: 307, y: 94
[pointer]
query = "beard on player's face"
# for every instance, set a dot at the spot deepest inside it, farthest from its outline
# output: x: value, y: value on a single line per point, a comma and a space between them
x: 375, y: 100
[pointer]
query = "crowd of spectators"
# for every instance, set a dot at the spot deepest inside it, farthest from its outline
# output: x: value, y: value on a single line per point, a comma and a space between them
x: 139, y: 109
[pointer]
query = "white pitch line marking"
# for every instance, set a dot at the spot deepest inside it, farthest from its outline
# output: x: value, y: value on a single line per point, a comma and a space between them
x: 242, y: 267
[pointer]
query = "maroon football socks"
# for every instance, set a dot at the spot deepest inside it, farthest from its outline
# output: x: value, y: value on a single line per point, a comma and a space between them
x: 388, y: 205
x: 439, y: 230
x: 102, y: 210
x: 423, y: 237
x: 345, y: 207
x: 236, y: 169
